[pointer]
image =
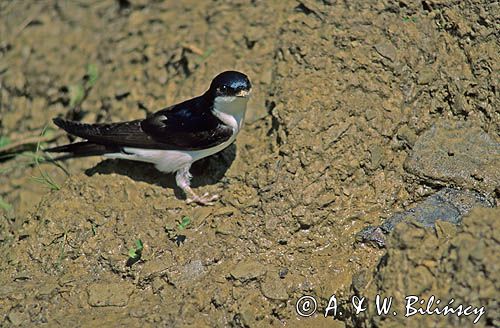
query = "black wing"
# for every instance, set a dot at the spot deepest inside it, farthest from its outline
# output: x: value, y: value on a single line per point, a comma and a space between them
x: 187, y: 126
x: 190, y: 125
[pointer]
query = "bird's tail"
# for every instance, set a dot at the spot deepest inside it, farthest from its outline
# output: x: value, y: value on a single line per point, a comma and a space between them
x: 82, y: 130
x: 83, y: 149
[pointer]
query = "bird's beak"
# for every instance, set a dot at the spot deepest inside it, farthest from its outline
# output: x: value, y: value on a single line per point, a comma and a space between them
x: 243, y: 93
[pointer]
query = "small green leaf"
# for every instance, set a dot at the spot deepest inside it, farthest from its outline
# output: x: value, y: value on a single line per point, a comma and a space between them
x: 93, y: 74
x: 4, y: 205
x: 135, y: 253
x: 138, y: 245
x: 4, y: 141
x: 184, y: 223
x: 7, y: 169
x: 76, y: 93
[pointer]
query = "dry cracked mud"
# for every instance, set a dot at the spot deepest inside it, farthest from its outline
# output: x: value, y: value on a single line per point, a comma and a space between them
x: 361, y: 109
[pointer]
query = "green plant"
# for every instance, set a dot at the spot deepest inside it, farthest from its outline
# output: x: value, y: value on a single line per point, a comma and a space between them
x: 4, y: 205
x: 4, y: 141
x: 135, y: 253
x: 61, y: 251
x: 93, y: 75
x: 203, y: 57
x: 184, y: 223
x: 174, y: 232
x: 406, y: 19
x: 78, y: 92
x: 44, y: 177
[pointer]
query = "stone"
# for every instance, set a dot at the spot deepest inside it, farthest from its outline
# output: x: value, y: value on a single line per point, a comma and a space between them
x: 456, y: 154
x: 104, y: 294
x: 249, y: 270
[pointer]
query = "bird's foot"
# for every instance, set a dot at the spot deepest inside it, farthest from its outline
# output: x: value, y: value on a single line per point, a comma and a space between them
x: 206, y: 199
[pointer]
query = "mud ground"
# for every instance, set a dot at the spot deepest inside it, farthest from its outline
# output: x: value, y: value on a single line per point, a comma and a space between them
x: 360, y: 110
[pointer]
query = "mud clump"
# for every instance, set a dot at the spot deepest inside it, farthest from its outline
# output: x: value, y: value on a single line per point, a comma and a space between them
x: 448, y: 263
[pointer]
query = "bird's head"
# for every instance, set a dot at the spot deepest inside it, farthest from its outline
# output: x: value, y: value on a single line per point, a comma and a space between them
x: 230, y: 84
x: 230, y: 91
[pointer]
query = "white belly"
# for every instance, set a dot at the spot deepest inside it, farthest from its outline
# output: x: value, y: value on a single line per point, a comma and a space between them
x: 169, y: 160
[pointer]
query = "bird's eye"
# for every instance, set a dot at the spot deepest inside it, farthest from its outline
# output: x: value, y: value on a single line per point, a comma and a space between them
x: 223, y: 88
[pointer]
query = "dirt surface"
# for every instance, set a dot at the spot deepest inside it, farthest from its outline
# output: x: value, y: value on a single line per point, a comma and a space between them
x: 355, y: 116
x: 450, y: 263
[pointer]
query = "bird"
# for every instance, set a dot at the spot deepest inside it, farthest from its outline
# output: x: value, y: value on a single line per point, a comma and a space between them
x: 173, y: 138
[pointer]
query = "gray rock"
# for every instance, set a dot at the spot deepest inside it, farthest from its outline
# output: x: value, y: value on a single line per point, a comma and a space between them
x: 249, y: 270
x: 448, y: 205
x: 456, y: 154
x: 371, y: 235
x: 387, y: 50
x: 17, y: 317
x: 103, y: 294
x: 274, y: 289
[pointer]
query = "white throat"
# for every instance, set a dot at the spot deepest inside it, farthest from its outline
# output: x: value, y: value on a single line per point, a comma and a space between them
x: 231, y: 111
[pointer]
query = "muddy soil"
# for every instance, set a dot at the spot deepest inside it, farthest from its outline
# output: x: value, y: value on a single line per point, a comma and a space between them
x: 360, y: 110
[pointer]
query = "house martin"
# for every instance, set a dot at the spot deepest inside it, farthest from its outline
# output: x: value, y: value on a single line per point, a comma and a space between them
x: 172, y: 138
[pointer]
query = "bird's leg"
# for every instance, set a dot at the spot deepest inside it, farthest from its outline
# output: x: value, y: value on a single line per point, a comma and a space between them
x: 183, y: 179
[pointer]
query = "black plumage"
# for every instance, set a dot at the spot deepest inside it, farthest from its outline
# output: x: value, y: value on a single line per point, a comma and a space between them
x: 189, y: 125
